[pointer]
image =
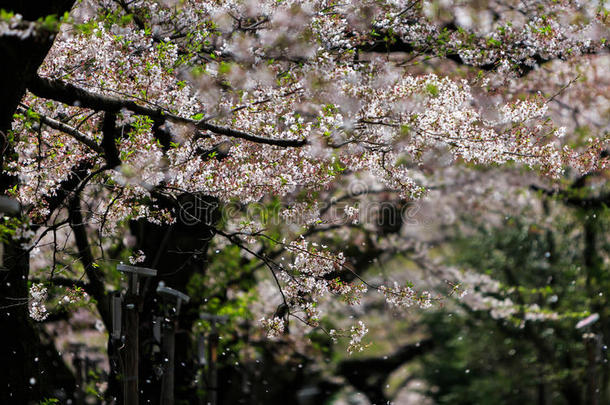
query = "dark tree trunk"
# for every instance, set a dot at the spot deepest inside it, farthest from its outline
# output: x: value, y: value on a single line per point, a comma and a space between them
x: 177, y: 252
x: 23, y: 378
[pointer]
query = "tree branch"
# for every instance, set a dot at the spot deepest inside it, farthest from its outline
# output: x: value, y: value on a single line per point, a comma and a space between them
x: 69, y: 94
x: 392, y: 44
x: 252, y: 138
x: 109, y: 139
x: 63, y: 282
x: 60, y: 126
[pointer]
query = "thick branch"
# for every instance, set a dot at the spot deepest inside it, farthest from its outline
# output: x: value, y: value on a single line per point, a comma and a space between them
x: 73, y: 132
x: 252, y: 138
x: 63, y: 282
x: 393, y: 44
x: 109, y: 139
x: 385, y: 365
x: 69, y: 94
x: 572, y: 199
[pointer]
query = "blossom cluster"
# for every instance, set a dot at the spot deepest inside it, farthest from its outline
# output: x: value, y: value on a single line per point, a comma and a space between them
x: 355, y: 334
x: 405, y: 296
x: 308, y: 278
x: 38, y: 296
x: 275, y: 326
x: 74, y: 296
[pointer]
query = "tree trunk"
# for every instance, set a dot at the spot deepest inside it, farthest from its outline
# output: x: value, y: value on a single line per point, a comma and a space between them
x: 22, y: 381
x: 177, y: 252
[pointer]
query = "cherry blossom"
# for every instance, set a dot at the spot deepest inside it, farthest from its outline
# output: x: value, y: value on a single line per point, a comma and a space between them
x: 249, y: 101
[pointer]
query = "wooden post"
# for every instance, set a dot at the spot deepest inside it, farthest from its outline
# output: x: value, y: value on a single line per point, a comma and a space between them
x: 79, y: 373
x: 167, y: 383
x: 131, y: 316
x: 593, y: 353
x: 213, y: 373
x: 173, y: 297
x: 201, y: 357
x: 213, y: 338
x: 116, y: 309
x: 116, y: 341
x: 132, y: 346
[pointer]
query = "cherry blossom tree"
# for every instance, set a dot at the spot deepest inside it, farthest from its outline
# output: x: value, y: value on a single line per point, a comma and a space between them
x: 169, y: 127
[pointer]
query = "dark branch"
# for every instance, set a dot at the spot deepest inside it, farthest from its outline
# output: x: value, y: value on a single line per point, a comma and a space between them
x: 572, y: 199
x: 63, y: 282
x: 386, y: 364
x: 393, y: 44
x: 248, y: 137
x: 67, y: 129
x: 69, y: 94
x: 110, y: 135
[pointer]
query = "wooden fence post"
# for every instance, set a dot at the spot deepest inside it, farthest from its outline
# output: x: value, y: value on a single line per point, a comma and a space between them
x: 173, y: 297
x: 131, y: 316
x: 212, y: 391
